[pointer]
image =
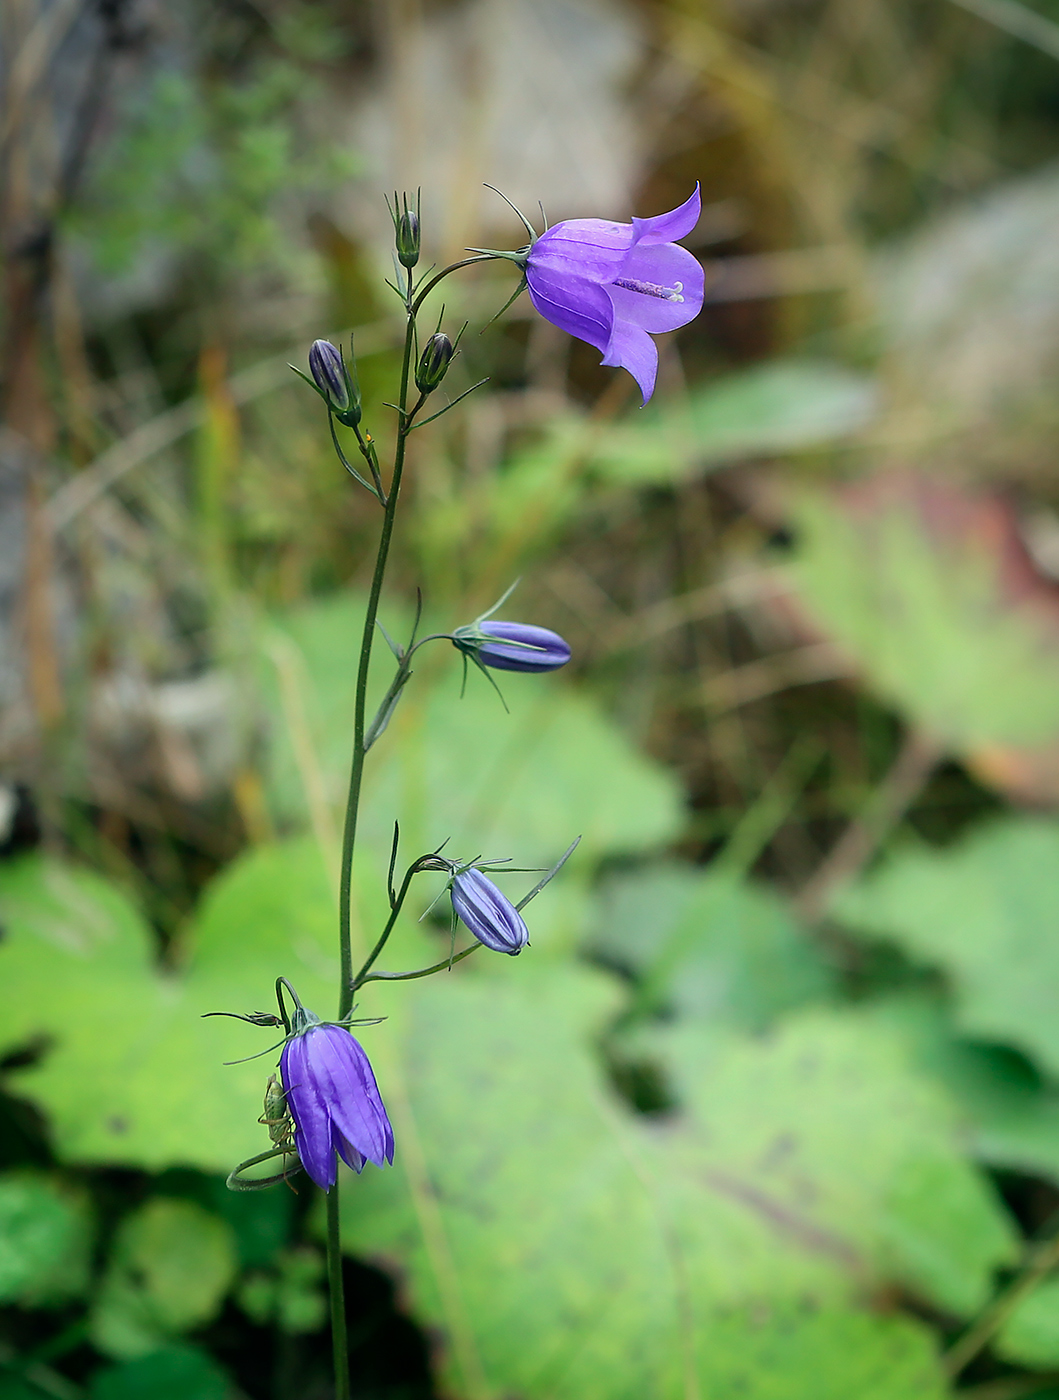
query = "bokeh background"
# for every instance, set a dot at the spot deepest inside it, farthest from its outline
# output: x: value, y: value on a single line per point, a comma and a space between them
x: 770, y: 1109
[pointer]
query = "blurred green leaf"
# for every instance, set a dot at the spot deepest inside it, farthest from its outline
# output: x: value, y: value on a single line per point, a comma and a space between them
x: 12, y: 1387
x: 985, y: 912
x: 1011, y: 1115
x: 522, y: 784
x: 926, y: 590
x: 770, y: 409
x: 131, y: 1073
x: 708, y: 944
x: 171, y: 1264
x: 174, y: 1373
x: 1030, y: 1336
x: 292, y: 1296
x: 808, y: 1167
x: 45, y: 1240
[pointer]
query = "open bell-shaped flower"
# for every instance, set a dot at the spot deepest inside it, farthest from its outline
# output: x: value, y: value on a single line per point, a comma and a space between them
x: 615, y: 285
x: 333, y: 1098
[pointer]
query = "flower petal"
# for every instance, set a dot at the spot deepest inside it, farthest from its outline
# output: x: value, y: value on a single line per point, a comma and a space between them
x: 573, y: 304
x: 312, y: 1122
x: 635, y: 351
x: 666, y: 228
x: 590, y: 248
x: 662, y: 265
x: 347, y: 1085
x: 349, y: 1153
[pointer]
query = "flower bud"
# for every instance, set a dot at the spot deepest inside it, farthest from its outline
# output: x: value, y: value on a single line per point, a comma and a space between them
x: 332, y: 378
x: 406, y: 232
x: 488, y: 913
x: 512, y: 646
x: 434, y: 362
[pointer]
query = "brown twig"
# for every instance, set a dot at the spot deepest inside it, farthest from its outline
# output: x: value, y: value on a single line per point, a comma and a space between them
x: 900, y: 787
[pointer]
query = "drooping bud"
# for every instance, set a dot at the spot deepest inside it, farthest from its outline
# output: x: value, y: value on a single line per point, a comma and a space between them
x: 434, y: 362
x: 488, y: 912
x: 326, y: 367
x: 512, y: 646
x: 332, y: 377
x: 406, y: 234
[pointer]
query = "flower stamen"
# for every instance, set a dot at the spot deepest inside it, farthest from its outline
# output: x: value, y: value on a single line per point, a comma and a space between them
x: 651, y: 289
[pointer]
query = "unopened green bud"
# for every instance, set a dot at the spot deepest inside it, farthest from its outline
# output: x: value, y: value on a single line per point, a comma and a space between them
x: 434, y: 362
x: 406, y: 232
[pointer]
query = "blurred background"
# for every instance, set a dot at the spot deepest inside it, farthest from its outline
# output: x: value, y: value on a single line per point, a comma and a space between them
x: 770, y: 1109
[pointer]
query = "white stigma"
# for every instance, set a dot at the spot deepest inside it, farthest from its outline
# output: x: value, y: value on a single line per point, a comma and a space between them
x: 651, y: 289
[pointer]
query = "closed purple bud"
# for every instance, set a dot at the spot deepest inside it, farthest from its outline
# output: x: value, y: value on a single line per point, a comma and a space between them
x: 519, y: 646
x: 488, y: 913
x: 327, y: 369
x: 333, y: 1099
x: 434, y: 362
x: 331, y: 376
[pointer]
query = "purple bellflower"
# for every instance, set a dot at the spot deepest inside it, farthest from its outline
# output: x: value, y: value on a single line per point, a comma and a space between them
x: 333, y: 1099
x: 616, y: 285
x: 488, y: 912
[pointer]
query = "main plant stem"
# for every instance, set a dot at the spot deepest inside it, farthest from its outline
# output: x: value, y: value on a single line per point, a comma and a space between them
x: 349, y: 832
x: 338, y: 1300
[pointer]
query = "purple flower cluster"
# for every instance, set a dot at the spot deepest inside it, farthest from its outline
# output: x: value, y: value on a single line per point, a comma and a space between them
x: 616, y: 285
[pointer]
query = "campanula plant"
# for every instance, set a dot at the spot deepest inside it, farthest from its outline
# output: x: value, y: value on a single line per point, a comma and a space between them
x: 612, y: 285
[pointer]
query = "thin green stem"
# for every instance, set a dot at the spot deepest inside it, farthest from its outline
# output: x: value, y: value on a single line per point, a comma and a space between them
x: 1040, y: 1262
x: 349, y: 833
x: 424, y: 292
x: 394, y: 912
x: 338, y: 1300
x: 423, y: 971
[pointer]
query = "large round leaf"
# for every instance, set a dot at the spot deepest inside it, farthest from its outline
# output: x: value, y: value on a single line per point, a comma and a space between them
x: 566, y: 1249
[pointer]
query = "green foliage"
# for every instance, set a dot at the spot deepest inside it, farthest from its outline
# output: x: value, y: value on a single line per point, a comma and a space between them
x: 291, y: 1295
x: 1030, y: 1336
x: 199, y: 167
x: 171, y: 1264
x: 985, y: 913
x: 804, y: 1169
x: 45, y: 1239
x: 921, y: 606
x: 132, y: 1074
x: 707, y: 945
x: 1010, y: 1115
x: 521, y: 786
x: 171, y: 1373
x: 775, y: 407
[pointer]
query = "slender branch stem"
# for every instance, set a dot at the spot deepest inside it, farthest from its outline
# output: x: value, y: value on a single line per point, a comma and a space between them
x: 422, y: 295
x: 900, y: 787
x: 381, y: 944
x: 423, y: 971
x: 981, y: 1332
x: 338, y: 1299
